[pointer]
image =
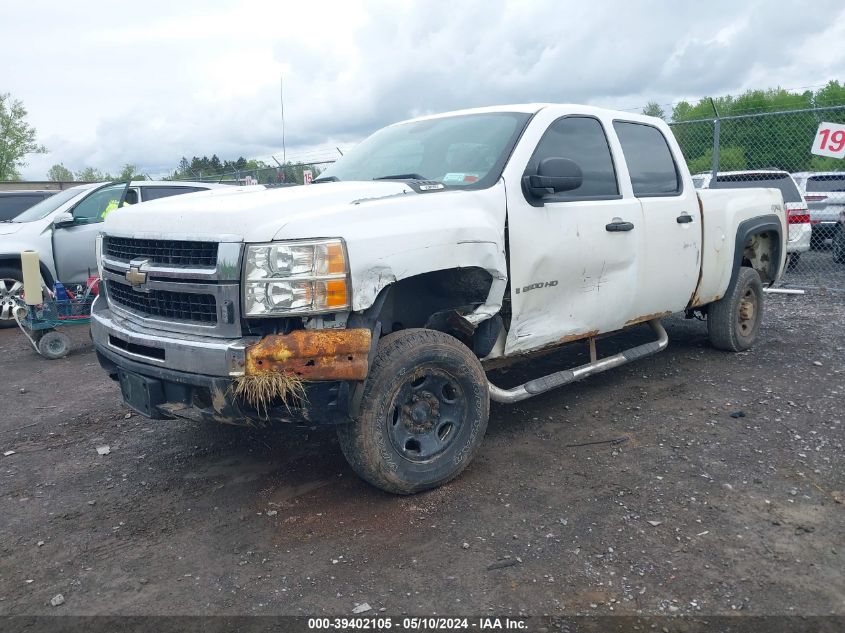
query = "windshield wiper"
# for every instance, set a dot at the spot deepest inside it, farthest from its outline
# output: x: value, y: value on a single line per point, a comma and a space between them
x: 402, y: 177
x: 325, y: 179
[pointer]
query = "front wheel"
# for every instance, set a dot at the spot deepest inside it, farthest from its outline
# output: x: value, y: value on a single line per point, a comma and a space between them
x: 11, y: 295
x: 733, y: 321
x: 423, y: 413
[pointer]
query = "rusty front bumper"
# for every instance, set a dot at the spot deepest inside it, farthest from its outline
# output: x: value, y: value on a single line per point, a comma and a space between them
x: 192, y: 377
x: 312, y: 355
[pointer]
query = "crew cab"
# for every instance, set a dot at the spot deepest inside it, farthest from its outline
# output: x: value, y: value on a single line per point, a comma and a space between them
x: 63, y: 228
x: 376, y: 298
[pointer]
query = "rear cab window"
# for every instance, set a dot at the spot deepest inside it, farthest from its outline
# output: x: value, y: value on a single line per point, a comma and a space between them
x: 650, y: 162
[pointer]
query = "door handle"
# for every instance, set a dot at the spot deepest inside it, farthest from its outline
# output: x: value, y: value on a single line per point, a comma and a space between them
x: 619, y: 226
x: 684, y: 218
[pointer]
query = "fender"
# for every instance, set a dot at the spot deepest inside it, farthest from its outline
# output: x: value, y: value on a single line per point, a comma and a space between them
x: 749, y: 228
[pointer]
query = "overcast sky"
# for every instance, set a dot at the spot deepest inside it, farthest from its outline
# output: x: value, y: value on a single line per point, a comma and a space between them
x: 148, y: 82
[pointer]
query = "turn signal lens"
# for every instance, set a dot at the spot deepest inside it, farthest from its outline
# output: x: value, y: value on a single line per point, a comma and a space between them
x: 335, y: 293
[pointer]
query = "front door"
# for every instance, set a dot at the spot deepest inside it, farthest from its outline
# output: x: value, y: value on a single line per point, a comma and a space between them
x: 573, y: 255
x: 74, y: 247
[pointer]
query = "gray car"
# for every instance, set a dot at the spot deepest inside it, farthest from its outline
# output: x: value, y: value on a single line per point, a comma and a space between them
x: 63, y: 229
x: 824, y: 192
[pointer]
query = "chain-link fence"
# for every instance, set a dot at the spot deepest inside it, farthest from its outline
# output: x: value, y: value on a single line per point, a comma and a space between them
x: 279, y: 176
x: 772, y: 149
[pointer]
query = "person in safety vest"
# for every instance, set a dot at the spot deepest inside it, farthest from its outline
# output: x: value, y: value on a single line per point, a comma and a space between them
x: 111, y: 206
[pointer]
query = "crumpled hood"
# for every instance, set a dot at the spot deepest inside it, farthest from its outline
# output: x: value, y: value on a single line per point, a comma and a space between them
x: 249, y: 214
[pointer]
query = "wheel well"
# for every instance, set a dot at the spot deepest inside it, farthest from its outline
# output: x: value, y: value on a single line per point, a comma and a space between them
x: 761, y: 252
x: 15, y: 262
x: 427, y: 300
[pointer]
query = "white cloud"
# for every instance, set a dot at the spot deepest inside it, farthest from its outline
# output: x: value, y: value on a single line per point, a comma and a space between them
x: 147, y: 84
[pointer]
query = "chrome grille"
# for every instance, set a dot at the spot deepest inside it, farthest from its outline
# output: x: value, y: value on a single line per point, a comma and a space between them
x: 162, y: 252
x: 165, y: 304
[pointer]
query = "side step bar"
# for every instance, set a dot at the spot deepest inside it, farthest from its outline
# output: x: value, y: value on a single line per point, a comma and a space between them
x: 558, y: 379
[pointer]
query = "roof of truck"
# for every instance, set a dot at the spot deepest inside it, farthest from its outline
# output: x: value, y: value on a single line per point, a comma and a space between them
x: 529, y: 108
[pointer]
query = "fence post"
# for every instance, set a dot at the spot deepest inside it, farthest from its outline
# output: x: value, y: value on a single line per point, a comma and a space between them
x: 717, y: 128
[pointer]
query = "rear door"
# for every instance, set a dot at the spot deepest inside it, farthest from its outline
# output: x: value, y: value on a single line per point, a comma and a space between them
x: 571, y: 274
x: 671, y: 258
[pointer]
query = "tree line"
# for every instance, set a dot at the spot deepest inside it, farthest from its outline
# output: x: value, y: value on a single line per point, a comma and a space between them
x: 756, y: 142
x: 205, y: 168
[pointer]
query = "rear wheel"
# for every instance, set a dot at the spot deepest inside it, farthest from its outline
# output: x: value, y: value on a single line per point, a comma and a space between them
x: 733, y: 321
x: 839, y: 245
x: 423, y: 413
x: 11, y: 294
x: 792, y: 261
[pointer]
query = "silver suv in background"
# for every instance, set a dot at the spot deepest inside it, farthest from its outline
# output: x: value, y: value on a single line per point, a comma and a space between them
x: 797, y: 213
x: 63, y: 229
x: 824, y: 192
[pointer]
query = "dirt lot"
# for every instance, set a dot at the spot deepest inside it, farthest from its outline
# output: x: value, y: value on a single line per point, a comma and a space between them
x: 693, y: 511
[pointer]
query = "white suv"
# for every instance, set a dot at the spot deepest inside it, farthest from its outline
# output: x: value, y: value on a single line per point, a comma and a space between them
x: 824, y: 192
x: 797, y: 213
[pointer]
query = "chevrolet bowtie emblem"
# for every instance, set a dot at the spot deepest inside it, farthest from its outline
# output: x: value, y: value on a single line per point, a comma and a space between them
x: 135, y: 277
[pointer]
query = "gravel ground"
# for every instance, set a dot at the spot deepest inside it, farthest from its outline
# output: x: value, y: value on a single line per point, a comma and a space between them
x: 816, y: 269
x: 634, y: 492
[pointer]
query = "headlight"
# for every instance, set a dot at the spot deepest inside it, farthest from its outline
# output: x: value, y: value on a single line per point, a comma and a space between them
x: 296, y: 278
x: 98, y: 250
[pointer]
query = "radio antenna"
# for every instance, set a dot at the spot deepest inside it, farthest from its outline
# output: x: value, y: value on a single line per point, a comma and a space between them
x: 282, y: 99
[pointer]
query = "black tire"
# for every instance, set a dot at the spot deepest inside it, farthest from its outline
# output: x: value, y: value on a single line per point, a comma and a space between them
x: 54, y: 345
x: 792, y: 260
x: 423, y: 413
x: 838, y: 247
x: 7, y: 299
x: 733, y: 321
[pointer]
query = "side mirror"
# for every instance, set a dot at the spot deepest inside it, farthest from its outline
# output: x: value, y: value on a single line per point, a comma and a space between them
x: 63, y: 219
x: 554, y: 175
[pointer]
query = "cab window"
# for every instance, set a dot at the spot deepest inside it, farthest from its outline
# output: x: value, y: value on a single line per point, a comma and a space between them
x: 581, y: 139
x: 650, y: 163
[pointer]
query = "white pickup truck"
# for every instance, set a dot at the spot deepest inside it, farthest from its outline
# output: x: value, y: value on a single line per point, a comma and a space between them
x: 376, y: 298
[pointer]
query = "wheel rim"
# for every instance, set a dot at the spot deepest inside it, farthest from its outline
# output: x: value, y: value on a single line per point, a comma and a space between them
x: 747, y: 313
x: 11, y: 295
x: 55, y: 346
x: 426, y: 414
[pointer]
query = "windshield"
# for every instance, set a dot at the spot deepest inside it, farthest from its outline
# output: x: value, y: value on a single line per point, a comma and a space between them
x: 458, y: 150
x: 762, y: 179
x: 46, y: 207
